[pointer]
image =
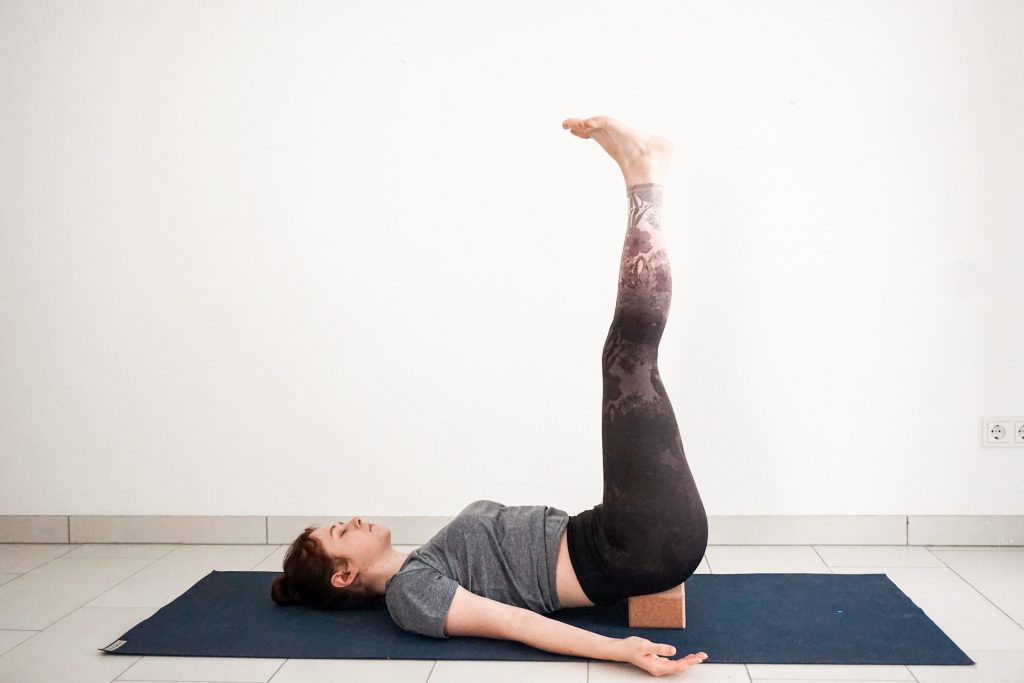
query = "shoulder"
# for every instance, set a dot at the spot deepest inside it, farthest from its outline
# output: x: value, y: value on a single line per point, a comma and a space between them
x: 418, y: 599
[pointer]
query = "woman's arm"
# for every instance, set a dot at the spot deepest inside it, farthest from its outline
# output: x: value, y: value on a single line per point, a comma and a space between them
x: 475, y: 615
x: 554, y: 636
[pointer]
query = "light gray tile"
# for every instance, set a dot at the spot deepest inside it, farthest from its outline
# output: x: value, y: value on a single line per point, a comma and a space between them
x: 974, y: 548
x: 965, y: 615
x: 404, y: 530
x: 151, y: 550
x: 822, y: 680
x: 989, y: 667
x: 474, y: 671
x: 18, y: 558
x: 807, y: 530
x: 830, y: 672
x: 349, y: 670
x: 170, y: 576
x: 9, y: 639
x: 68, y: 650
x: 37, y: 599
x: 875, y: 555
x: 228, y: 669
x: 273, y: 562
x: 759, y: 559
x: 621, y: 672
x: 998, y: 573
x: 966, y: 529
x: 167, y: 529
x: 33, y: 529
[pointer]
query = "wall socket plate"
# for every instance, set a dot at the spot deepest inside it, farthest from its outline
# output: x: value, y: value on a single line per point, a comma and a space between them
x: 1002, y: 431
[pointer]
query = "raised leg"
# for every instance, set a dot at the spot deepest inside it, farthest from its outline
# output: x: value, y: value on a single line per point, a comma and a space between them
x: 650, y: 531
x: 652, y: 509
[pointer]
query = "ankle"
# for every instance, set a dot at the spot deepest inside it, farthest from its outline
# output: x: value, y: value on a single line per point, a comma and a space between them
x: 643, y: 174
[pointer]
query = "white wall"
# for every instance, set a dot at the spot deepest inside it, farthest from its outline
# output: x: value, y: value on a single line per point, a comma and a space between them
x: 341, y: 258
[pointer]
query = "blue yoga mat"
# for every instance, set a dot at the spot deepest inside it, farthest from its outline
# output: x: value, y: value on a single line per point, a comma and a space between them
x: 736, y: 618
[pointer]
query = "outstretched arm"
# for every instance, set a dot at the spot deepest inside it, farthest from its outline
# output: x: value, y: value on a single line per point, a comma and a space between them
x: 475, y: 615
x: 555, y: 636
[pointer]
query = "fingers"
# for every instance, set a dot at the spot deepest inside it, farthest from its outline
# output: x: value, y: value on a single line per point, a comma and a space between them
x: 666, y: 650
x: 671, y: 666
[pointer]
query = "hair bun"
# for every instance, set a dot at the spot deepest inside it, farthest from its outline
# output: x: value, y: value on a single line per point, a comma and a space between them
x: 283, y: 592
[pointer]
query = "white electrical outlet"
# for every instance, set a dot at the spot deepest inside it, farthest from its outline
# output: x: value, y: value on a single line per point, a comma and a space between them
x: 1003, y: 431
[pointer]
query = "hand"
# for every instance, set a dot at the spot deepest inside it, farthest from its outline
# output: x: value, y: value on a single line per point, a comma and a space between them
x: 653, y: 657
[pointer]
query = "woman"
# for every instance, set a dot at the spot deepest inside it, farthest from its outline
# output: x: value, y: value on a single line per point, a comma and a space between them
x: 495, y: 570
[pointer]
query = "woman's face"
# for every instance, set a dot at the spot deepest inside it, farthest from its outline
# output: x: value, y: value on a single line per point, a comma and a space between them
x: 359, y: 541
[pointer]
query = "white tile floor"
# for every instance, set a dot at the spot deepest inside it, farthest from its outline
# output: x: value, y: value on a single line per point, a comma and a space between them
x: 59, y: 603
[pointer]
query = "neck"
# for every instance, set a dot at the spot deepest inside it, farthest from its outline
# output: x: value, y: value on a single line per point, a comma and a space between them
x: 386, y: 567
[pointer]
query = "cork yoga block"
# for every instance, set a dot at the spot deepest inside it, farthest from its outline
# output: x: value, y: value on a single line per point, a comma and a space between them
x: 659, y: 610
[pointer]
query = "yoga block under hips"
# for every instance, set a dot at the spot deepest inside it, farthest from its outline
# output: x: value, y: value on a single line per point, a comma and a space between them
x: 659, y: 610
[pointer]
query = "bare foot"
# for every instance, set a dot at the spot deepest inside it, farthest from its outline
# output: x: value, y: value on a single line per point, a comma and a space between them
x: 643, y: 158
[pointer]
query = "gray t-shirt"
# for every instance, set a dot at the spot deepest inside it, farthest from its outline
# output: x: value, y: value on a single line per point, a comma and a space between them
x: 508, y: 554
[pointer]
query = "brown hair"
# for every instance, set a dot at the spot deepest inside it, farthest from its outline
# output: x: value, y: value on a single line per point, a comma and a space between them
x: 307, y: 579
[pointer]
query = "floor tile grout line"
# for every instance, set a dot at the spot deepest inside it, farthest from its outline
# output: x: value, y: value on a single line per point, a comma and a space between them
x: 912, y: 675
x: 978, y: 591
x: 278, y: 669
x: 37, y: 632
x: 823, y: 560
x: 56, y: 621
x: 265, y: 558
x: 145, y: 566
x: 431, y: 672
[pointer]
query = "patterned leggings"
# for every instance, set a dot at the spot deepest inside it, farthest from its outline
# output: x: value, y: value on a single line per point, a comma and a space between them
x: 650, y: 532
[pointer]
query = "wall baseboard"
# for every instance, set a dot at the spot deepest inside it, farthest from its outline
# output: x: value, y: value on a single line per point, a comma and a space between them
x: 971, y: 530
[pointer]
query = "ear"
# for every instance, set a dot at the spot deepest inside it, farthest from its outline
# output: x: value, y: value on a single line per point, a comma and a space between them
x: 344, y: 577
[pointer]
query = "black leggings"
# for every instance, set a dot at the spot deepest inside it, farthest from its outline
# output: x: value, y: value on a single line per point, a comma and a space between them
x: 650, y: 532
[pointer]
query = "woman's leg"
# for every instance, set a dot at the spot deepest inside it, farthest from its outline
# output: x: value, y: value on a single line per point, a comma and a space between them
x: 650, y: 531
